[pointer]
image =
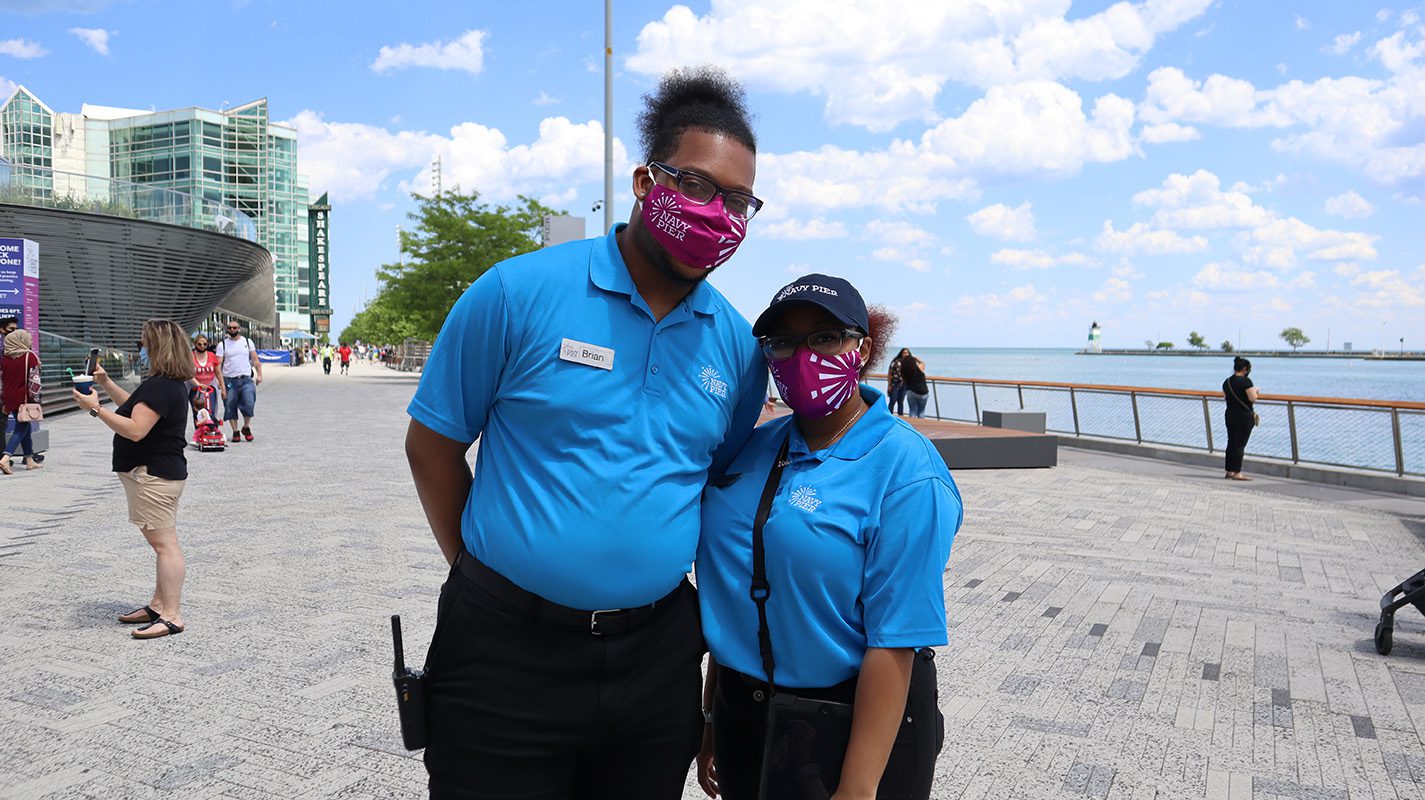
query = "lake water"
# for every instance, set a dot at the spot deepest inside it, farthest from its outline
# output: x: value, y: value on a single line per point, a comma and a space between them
x: 1319, y: 377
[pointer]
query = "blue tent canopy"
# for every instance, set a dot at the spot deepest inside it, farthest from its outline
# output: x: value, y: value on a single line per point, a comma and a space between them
x: 297, y: 335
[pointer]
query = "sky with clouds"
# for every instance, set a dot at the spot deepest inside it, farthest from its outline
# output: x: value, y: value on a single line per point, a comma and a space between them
x: 999, y: 172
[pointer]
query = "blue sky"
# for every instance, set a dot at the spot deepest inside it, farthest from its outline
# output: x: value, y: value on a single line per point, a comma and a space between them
x: 999, y: 172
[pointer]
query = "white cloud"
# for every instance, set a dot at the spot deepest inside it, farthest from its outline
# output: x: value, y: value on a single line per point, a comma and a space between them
x: 1018, y: 296
x: 1388, y: 288
x: 354, y: 160
x: 546, y: 99
x: 1197, y: 202
x: 1226, y: 278
x: 1169, y: 132
x: 465, y: 53
x: 7, y: 88
x: 898, y: 233
x: 1302, y: 24
x: 21, y: 48
x: 1383, y: 15
x: 1002, y: 222
x: 1281, y: 242
x: 1139, y: 239
x: 1349, y: 205
x: 798, y: 230
x: 880, y: 64
x: 1342, y: 44
x: 1114, y: 290
x: 1039, y: 259
x: 96, y: 38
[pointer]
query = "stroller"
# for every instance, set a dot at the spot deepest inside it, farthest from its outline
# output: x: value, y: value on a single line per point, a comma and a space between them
x: 207, y: 432
x: 1410, y: 592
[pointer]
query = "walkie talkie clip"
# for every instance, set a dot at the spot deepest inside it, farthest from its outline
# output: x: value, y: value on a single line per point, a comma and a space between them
x: 410, y: 694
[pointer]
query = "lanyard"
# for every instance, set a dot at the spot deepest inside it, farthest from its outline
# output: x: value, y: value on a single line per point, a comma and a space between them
x: 761, y: 590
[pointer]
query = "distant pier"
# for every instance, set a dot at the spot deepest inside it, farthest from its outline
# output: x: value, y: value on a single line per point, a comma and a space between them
x: 1368, y: 355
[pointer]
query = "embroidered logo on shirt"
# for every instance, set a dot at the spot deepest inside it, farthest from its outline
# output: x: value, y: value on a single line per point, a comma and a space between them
x: 804, y: 497
x: 712, y: 382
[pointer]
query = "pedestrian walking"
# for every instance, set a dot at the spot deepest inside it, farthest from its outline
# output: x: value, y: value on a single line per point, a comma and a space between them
x: 148, y: 456
x: 327, y: 352
x: 1241, y: 396
x: 7, y: 325
x: 207, y: 369
x: 848, y: 591
x: 242, y: 373
x: 917, y: 390
x: 567, y: 653
x: 895, y: 383
x: 345, y: 352
x: 20, y: 395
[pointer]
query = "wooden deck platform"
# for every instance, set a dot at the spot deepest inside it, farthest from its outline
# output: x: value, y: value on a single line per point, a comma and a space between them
x: 967, y: 446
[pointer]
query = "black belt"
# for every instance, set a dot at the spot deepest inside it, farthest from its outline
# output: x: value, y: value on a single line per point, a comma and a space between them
x: 605, y: 622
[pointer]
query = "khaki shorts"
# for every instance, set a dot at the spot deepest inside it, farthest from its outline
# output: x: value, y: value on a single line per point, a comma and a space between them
x: 153, y: 502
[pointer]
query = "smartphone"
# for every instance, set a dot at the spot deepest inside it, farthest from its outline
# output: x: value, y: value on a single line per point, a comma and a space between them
x: 92, y: 362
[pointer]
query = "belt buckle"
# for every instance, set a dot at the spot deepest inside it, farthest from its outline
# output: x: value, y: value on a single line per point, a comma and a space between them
x: 594, y: 619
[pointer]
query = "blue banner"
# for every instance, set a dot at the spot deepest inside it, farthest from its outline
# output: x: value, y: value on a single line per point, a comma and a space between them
x: 274, y: 356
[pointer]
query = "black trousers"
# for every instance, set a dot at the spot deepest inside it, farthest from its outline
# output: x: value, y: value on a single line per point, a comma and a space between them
x: 1239, y: 430
x: 521, y: 709
x: 327, y: 366
x: 740, y: 721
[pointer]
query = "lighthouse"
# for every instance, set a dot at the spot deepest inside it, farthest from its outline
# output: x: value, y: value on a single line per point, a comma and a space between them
x: 1095, y: 339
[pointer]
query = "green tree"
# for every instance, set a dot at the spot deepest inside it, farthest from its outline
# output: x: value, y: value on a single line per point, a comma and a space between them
x: 1165, y: 346
x: 1147, y: 344
x: 1227, y: 346
x: 454, y: 240
x: 1196, y: 339
x: 1295, y: 338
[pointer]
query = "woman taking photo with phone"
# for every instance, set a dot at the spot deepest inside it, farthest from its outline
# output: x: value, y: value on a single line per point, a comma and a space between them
x: 820, y: 574
x: 149, y: 427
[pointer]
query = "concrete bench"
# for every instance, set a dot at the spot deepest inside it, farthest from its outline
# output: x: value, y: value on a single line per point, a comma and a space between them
x: 1027, y: 421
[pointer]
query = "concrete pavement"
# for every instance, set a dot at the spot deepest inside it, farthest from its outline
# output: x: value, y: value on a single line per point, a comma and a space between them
x: 1120, y: 629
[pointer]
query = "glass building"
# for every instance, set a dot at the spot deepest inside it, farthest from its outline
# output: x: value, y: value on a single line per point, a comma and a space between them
x: 236, y: 157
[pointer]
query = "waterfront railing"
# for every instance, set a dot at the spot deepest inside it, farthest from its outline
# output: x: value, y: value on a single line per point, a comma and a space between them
x: 1376, y: 435
x: 91, y: 194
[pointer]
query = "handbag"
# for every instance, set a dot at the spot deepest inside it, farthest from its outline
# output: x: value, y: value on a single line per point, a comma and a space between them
x: 1256, y: 418
x: 806, y: 738
x: 29, y: 412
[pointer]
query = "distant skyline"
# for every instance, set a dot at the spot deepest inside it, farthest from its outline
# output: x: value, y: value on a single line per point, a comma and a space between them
x: 998, y: 172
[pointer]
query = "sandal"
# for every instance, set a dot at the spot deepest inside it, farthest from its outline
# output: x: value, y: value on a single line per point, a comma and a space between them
x: 145, y: 615
x: 5, y: 465
x: 1240, y: 477
x: 168, y: 629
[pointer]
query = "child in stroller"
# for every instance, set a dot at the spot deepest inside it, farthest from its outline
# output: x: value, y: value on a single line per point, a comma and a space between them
x: 207, y: 433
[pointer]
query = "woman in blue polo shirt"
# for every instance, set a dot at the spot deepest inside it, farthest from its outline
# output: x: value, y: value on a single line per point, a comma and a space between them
x: 855, y: 541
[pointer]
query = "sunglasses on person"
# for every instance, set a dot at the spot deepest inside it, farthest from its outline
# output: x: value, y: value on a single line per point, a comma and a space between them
x: 827, y: 343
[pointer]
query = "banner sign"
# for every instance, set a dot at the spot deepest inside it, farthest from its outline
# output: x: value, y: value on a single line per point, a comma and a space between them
x: 274, y: 356
x: 20, y: 282
x: 319, y: 257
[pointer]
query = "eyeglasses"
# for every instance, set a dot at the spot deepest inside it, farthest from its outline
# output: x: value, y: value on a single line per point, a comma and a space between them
x: 701, y: 190
x: 827, y: 343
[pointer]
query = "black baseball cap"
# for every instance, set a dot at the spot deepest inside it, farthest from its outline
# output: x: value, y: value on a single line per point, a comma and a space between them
x: 836, y: 295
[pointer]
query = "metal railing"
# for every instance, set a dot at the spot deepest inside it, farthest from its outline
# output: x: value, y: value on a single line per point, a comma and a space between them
x: 68, y: 191
x: 409, y: 356
x: 61, y: 353
x: 1377, y: 435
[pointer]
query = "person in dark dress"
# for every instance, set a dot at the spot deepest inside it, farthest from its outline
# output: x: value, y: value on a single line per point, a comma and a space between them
x: 1241, y: 395
x: 917, y: 391
x: 149, y: 427
x: 895, y: 383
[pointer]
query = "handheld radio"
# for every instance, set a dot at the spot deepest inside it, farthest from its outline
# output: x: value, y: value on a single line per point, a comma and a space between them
x: 410, y: 694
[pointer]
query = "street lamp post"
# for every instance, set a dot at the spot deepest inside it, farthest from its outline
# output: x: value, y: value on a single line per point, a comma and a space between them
x: 608, y: 115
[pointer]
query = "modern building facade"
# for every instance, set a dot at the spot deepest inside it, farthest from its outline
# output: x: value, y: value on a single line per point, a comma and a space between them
x: 229, y: 159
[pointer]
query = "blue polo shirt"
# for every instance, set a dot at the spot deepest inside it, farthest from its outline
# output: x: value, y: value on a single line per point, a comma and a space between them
x: 856, y: 545
x: 597, y: 425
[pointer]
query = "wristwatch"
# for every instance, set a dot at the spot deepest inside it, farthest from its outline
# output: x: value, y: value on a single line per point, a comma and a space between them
x: 93, y: 412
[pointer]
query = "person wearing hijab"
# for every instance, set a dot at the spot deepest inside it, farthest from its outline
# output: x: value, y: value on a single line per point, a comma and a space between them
x: 20, y: 385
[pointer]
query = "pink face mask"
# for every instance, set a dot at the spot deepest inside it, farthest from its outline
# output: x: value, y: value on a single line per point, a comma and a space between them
x: 700, y: 236
x: 815, y: 385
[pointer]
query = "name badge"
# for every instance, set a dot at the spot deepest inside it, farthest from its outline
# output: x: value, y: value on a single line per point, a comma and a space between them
x: 587, y: 354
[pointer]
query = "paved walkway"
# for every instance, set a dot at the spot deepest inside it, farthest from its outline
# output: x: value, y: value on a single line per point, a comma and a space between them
x: 1121, y: 629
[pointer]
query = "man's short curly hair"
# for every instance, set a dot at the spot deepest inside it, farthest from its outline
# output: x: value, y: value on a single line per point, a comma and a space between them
x: 704, y: 98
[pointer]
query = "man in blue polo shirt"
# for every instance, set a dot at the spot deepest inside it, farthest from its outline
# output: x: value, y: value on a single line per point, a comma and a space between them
x: 604, y: 379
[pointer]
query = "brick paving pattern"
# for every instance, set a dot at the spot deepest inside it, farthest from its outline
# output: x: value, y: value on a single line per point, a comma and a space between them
x: 1116, y: 632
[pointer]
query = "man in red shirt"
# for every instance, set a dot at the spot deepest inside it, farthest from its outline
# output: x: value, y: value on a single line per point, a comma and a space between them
x: 345, y: 352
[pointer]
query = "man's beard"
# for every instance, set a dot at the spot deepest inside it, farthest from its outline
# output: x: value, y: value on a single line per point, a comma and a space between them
x: 659, y: 258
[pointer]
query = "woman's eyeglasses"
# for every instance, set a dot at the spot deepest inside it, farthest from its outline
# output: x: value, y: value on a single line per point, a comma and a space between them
x: 827, y: 343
